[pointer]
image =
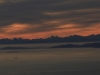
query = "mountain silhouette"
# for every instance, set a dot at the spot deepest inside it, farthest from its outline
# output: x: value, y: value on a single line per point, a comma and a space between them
x: 52, y: 39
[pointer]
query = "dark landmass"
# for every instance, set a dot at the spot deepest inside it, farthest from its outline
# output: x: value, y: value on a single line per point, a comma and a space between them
x: 52, y: 39
x: 18, y: 48
x: 66, y: 46
x: 13, y: 48
x: 87, y: 45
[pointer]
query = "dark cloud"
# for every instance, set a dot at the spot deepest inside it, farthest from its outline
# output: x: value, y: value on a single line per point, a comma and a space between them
x: 47, y: 15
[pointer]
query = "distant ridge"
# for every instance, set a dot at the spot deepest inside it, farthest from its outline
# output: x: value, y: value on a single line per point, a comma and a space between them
x: 87, y: 45
x: 53, y: 39
x: 14, y: 48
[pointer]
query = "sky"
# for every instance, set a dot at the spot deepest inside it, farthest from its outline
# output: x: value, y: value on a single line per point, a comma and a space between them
x: 45, y: 18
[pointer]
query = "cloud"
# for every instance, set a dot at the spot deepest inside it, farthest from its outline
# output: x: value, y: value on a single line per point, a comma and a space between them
x: 48, y: 15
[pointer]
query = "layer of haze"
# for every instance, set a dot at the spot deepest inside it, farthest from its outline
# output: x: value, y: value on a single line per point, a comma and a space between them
x: 44, y: 18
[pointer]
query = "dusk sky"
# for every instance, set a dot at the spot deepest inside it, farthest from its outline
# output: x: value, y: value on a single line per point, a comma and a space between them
x: 44, y: 18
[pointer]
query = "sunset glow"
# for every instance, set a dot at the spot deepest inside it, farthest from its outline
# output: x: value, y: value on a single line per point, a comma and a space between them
x: 42, y: 19
x: 62, y: 31
x: 15, y: 28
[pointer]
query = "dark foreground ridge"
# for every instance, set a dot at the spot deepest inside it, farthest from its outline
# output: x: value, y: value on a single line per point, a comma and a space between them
x: 52, y: 39
x: 87, y: 45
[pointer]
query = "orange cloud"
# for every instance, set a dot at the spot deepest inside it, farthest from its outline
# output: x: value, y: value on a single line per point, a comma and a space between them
x: 15, y: 28
x: 64, y: 30
x: 95, y: 29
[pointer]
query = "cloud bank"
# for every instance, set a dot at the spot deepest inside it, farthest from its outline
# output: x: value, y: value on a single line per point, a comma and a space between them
x: 36, y: 16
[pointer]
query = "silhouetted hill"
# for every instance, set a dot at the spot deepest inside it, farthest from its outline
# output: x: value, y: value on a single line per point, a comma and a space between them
x: 52, y: 39
x: 87, y: 45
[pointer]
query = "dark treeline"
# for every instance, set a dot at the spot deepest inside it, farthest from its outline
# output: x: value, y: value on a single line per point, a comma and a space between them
x: 52, y: 39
